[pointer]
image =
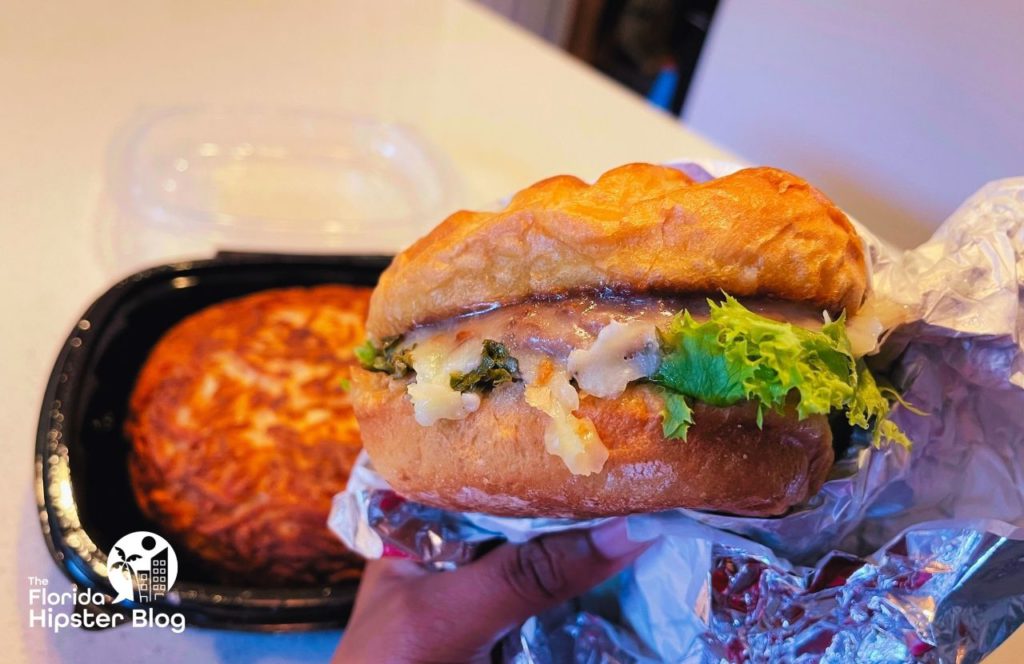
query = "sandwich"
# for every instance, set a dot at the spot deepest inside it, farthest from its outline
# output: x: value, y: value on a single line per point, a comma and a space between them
x: 642, y: 343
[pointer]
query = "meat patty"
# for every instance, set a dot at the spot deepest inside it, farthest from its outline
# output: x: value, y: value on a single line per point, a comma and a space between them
x: 558, y: 326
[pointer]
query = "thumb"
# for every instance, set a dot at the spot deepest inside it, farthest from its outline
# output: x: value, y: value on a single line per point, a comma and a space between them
x: 514, y: 582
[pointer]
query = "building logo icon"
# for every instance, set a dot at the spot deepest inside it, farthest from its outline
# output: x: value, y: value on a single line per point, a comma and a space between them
x: 142, y: 567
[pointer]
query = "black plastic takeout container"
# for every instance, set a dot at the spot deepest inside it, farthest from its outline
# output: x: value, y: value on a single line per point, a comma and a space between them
x: 83, y: 491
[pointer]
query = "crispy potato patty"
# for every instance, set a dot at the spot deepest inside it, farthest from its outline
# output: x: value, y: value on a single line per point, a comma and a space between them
x: 242, y: 431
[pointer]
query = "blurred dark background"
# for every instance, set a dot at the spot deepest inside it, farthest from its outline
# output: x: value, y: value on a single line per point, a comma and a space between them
x: 649, y: 46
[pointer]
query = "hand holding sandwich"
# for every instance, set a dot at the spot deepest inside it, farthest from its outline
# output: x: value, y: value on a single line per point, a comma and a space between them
x: 405, y: 613
x: 640, y: 344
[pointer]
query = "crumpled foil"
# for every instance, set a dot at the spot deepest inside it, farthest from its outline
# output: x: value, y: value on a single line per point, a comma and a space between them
x: 903, y: 556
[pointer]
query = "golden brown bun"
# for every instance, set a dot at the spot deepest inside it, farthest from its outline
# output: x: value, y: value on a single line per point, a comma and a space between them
x: 639, y: 228
x: 494, y: 461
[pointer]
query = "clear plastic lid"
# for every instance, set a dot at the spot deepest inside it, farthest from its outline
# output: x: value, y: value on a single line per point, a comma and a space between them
x: 186, y: 183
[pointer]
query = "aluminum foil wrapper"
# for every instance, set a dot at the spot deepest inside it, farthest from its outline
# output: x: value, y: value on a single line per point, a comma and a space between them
x: 903, y: 556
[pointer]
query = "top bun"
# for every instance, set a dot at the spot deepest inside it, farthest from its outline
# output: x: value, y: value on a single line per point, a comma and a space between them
x: 760, y: 232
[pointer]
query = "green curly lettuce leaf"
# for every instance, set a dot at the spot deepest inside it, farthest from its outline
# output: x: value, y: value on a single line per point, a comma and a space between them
x: 677, y: 416
x: 738, y: 355
x: 694, y: 364
x: 871, y: 404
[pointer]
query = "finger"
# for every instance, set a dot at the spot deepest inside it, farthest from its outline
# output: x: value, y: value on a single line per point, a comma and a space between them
x: 514, y: 582
x: 380, y: 579
x: 393, y: 568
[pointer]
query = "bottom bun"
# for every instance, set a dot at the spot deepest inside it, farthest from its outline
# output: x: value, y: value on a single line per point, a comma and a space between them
x: 494, y: 461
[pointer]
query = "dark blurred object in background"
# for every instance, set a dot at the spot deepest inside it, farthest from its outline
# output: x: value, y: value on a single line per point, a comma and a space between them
x: 650, y: 46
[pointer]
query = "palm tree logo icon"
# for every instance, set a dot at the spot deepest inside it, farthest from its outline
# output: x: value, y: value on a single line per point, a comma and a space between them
x: 125, y: 566
x: 142, y: 567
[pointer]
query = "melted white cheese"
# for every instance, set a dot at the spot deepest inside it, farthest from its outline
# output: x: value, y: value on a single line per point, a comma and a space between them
x: 572, y: 439
x: 864, y: 333
x: 876, y: 318
x: 432, y: 402
x: 435, y: 359
x: 621, y: 353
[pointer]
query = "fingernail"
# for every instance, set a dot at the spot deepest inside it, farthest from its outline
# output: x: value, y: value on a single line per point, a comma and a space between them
x: 612, y: 541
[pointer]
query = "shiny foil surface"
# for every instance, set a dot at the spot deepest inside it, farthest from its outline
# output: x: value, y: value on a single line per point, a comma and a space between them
x: 902, y: 557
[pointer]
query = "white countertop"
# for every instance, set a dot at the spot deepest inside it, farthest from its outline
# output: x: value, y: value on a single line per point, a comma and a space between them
x: 505, y: 107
